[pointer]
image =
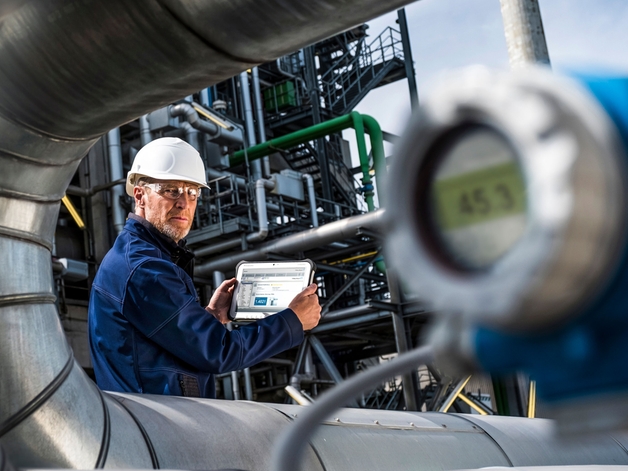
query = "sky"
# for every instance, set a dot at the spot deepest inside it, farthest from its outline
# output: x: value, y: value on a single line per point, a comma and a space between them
x: 450, y: 34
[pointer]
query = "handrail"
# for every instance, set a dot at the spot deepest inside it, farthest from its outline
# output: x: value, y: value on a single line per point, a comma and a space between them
x: 342, y: 76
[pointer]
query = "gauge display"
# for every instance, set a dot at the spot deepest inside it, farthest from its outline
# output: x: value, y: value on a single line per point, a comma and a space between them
x: 478, y: 198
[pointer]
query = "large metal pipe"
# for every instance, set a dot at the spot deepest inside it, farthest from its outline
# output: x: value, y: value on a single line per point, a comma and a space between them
x: 306, y: 240
x: 71, y: 72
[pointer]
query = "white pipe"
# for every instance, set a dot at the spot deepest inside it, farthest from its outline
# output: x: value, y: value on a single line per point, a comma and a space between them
x: 214, y: 131
x: 205, y: 98
x: 145, y: 135
x: 245, y: 92
x: 259, y: 116
x: 116, y: 173
x: 262, y: 214
x: 311, y: 194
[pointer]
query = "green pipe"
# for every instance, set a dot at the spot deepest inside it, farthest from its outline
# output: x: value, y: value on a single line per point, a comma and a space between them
x: 361, y: 124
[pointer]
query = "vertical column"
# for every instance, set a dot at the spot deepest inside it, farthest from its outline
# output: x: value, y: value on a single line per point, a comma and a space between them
x: 524, y: 32
x: 407, y: 58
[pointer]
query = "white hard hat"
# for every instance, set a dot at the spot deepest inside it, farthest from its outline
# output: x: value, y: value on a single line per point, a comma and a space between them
x: 167, y: 158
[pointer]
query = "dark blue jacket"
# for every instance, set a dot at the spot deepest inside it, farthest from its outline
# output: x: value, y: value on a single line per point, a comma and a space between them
x: 149, y: 334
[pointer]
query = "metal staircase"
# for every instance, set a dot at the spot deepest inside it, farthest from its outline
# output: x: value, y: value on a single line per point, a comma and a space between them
x: 303, y: 158
x: 361, y: 69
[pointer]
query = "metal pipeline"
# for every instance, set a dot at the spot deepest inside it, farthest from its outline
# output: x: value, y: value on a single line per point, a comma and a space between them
x: 311, y: 195
x: 215, y: 132
x: 262, y: 215
x: 306, y: 240
x: 116, y: 173
x: 259, y: 117
x: 191, y: 135
x: 245, y: 92
x: 145, y: 135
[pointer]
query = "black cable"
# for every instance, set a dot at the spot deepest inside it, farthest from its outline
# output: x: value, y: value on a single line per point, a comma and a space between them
x: 149, y: 443
x: 38, y: 400
x: 106, y: 433
x: 292, y: 441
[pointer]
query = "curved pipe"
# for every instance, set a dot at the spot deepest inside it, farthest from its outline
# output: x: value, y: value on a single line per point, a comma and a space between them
x: 215, y: 132
x: 262, y: 215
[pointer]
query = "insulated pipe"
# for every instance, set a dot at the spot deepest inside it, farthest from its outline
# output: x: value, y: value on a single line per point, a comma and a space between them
x: 214, y: 131
x: 191, y: 135
x: 116, y: 173
x: 145, y: 135
x: 51, y: 414
x: 259, y: 116
x: 206, y: 98
x: 245, y: 92
x: 309, y: 181
x: 101, y: 71
x: 306, y: 240
x: 262, y: 215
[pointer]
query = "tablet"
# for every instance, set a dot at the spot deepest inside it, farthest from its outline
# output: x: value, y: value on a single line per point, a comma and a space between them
x: 265, y: 288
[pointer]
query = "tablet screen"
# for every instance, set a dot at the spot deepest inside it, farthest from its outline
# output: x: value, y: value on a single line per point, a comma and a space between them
x: 265, y: 288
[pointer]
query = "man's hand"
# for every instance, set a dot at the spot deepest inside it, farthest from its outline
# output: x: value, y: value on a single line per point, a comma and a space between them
x: 305, y: 305
x: 220, y: 302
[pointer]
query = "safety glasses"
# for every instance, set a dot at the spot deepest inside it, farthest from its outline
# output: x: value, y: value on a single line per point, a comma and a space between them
x: 174, y: 191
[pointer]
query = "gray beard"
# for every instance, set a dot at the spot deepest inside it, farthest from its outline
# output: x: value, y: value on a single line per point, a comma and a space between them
x: 168, y: 230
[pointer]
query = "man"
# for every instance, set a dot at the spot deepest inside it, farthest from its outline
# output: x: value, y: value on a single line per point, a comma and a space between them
x: 148, y: 333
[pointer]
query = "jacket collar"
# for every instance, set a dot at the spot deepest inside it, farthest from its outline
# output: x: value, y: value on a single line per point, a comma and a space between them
x: 179, y: 253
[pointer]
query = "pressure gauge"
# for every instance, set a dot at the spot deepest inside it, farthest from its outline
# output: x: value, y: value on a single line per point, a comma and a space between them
x: 506, y: 198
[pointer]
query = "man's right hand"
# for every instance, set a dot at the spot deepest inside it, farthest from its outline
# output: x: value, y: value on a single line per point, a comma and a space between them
x: 305, y: 305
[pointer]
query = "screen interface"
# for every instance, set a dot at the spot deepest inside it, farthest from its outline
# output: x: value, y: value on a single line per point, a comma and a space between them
x: 270, y: 289
x: 478, y: 198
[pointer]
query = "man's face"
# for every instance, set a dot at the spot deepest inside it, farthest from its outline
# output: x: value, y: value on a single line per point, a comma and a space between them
x: 165, y: 207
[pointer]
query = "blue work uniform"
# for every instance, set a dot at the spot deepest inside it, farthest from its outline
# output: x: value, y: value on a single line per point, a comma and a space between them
x: 149, y: 334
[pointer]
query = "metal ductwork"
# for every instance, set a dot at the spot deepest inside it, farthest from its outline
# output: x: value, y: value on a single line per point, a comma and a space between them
x: 73, y: 70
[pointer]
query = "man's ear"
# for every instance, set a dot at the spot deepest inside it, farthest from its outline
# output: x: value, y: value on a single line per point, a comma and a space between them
x: 138, y: 196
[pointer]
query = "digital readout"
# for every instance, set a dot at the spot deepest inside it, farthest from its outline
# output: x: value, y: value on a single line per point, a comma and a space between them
x: 479, y: 196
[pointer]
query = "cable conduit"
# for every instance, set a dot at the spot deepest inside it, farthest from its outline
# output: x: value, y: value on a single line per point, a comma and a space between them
x: 38, y: 400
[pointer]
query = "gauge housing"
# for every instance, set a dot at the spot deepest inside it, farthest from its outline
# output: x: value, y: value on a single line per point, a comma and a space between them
x: 554, y: 245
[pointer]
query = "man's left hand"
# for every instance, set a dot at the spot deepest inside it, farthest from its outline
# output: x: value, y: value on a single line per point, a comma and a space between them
x: 220, y: 302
